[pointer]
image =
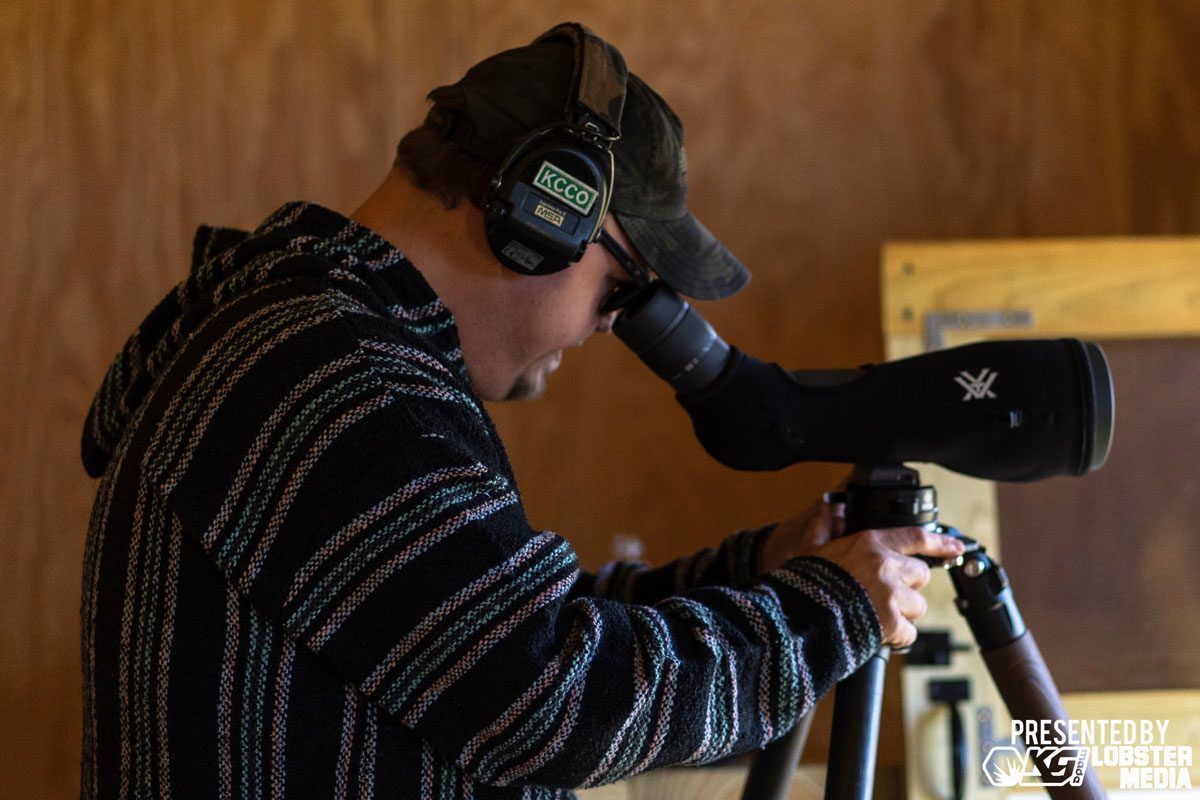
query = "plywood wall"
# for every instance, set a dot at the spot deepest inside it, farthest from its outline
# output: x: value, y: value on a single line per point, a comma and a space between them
x: 816, y: 130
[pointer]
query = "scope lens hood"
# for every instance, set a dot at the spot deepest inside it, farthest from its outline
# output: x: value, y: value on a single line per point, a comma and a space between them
x: 1102, y: 403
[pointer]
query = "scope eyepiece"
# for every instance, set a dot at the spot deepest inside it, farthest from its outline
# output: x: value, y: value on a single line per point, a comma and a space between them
x: 672, y: 339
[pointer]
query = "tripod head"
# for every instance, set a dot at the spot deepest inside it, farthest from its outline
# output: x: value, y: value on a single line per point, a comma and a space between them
x: 1019, y: 410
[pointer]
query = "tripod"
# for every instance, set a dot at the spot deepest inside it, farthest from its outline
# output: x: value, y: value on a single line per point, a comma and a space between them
x: 892, y: 496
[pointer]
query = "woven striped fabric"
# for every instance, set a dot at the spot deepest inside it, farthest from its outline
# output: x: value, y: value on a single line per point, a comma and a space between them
x: 308, y: 571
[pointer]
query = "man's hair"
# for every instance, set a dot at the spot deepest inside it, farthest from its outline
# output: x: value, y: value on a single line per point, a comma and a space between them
x: 443, y: 169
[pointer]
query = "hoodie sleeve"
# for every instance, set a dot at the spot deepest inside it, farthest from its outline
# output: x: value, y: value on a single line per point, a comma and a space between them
x: 733, y: 562
x: 354, y: 504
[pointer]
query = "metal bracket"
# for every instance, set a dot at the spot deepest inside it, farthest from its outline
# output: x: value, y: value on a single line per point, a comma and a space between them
x: 938, y: 322
x: 933, y: 649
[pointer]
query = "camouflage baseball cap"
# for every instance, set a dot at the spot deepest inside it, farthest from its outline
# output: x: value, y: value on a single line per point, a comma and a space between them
x: 505, y: 97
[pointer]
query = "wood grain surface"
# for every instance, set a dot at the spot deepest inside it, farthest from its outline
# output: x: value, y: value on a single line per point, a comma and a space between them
x: 816, y: 131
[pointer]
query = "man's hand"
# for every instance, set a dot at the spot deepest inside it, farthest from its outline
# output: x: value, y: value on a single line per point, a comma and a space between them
x: 881, y: 560
x: 803, y: 534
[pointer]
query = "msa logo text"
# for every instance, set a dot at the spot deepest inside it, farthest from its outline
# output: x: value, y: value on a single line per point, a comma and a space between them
x: 556, y: 183
x: 549, y: 213
x: 978, y: 388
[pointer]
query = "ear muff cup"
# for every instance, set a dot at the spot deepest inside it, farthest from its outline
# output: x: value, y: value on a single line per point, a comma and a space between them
x: 548, y: 202
x: 550, y: 194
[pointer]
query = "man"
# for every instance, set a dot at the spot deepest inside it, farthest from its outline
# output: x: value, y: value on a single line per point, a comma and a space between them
x: 308, y: 571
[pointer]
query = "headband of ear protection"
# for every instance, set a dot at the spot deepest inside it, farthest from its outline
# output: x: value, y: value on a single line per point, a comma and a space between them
x: 548, y: 200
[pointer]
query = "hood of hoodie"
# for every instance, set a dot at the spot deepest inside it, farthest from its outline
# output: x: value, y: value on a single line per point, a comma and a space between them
x: 152, y: 346
x: 226, y: 263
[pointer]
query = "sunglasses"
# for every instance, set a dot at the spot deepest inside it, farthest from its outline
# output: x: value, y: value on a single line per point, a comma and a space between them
x: 622, y: 295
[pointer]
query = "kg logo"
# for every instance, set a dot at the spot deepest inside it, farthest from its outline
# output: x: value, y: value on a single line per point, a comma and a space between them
x: 1066, y: 765
x: 978, y: 388
x: 556, y: 183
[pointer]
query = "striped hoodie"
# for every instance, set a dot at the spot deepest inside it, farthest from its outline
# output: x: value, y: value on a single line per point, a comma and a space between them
x: 308, y: 572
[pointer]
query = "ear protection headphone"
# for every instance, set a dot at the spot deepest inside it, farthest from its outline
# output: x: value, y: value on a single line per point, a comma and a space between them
x: 549, y: 198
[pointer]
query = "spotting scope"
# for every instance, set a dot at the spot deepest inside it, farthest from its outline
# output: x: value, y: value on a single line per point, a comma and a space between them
x: 1014, y: 410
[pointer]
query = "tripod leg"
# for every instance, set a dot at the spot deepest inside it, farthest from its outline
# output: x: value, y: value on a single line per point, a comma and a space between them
x: 854, y: 739
x: 1024, y: 682
x: 771, y: 772
x: 1018, y: 670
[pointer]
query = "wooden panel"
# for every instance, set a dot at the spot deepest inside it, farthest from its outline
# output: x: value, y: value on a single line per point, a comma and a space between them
x: 1076, y: 287
x: 816, y: 130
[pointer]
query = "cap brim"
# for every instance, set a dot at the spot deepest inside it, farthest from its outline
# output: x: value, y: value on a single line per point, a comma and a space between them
x: 686, y: 256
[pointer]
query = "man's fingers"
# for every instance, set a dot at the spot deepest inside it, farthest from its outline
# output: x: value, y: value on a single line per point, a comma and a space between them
x: 833, y: 515
x: 915, y: 540
x: 912, y: 604
x: 905, y: 607
x: 913, y: 571
x: 902, y: 634
x: 820, y: 526
x: 838, y: 524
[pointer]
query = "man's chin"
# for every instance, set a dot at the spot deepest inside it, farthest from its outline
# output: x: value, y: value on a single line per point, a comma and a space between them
x: 527, y: 388
x: 531, y: 384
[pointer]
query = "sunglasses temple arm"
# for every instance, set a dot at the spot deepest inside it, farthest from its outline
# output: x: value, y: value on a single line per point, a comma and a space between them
x: 640, y: 274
